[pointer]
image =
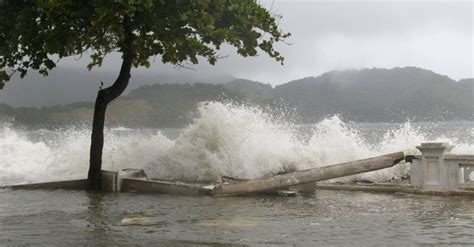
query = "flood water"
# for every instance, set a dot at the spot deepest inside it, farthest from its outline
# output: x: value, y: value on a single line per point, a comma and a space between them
x: 327, y: 218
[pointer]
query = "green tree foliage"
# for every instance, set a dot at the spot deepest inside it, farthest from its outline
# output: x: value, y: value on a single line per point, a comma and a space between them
x: 36, y: 34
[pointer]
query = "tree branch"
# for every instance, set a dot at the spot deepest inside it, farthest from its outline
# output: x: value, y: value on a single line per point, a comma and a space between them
x: 128, y: 55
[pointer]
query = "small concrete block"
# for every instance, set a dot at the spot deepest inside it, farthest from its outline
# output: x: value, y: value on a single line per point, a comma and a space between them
x: 129, y: 173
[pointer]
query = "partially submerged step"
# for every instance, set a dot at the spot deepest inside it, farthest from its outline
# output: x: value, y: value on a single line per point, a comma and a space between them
x: 165, y: 187
x: 77, y: 184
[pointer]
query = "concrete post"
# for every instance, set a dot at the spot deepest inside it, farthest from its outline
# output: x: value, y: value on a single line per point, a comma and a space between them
x: 432, y: 171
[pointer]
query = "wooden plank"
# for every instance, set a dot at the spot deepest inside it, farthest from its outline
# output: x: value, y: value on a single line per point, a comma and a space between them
x: 310, y: 175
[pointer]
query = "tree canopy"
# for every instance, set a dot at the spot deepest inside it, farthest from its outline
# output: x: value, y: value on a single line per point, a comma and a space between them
x: 35, y: 35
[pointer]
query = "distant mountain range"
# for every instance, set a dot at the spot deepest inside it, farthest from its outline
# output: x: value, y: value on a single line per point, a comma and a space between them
x: 381, y: 95
x: 367, y: 95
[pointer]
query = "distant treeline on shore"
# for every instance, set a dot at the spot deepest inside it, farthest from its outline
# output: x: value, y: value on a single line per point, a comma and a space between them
x: 367, y: 95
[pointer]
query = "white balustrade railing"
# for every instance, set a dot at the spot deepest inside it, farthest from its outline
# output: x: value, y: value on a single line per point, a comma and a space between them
x: 437, y: 169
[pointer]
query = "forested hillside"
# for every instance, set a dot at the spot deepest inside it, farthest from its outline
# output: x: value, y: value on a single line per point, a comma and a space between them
x: 368, y: 95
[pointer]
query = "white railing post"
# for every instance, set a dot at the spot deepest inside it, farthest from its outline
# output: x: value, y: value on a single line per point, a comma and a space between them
x: 432, y: 171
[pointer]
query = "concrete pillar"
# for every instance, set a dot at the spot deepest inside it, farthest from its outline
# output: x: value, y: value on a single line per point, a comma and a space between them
x: 432, y: 171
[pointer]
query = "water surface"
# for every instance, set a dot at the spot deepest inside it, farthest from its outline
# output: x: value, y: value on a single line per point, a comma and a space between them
x: 327, y: 218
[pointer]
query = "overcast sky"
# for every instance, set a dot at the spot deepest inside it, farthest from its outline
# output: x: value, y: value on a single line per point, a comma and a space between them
x: 328, y: 35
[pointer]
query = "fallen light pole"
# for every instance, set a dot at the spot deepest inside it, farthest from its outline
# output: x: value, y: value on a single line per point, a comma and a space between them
x: 308, y: 176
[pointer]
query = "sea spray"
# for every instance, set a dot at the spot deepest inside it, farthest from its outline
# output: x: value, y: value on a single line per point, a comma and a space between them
x: 223, y: 140
x: 228, y: 140
x: 43, y: 155
x: 245, y: 142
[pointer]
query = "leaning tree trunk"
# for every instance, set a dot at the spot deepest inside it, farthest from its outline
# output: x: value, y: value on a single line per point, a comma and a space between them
x: 104, y: 97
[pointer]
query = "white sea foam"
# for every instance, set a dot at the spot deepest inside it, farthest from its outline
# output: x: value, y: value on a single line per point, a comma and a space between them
x: 244, y: 142
x: 45, y: 155
x: 224, y: 140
